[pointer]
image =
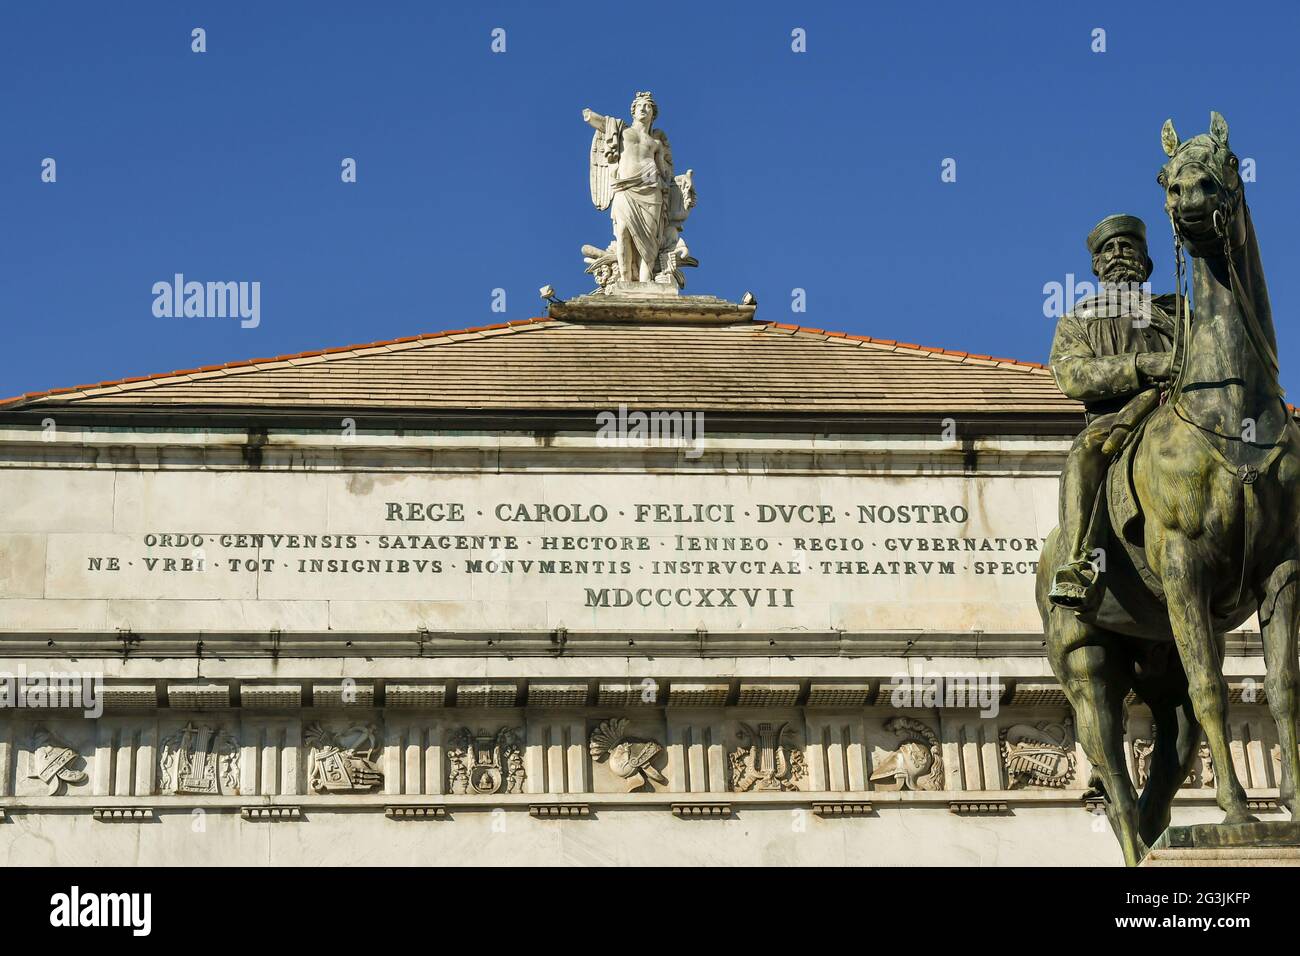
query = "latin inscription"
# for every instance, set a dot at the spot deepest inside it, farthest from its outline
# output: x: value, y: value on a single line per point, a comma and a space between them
x: 638, y: 554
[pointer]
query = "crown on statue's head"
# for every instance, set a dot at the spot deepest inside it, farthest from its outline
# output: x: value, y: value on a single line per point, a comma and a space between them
x: 649, y: 98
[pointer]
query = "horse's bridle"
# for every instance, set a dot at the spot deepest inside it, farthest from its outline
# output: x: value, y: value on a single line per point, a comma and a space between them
x: 1230, y: 203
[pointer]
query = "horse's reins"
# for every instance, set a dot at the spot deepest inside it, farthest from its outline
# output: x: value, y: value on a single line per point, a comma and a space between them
x: 1182, y: 314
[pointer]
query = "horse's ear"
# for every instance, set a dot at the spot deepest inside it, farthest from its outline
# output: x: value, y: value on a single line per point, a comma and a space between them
x: 1168, y: 138
x: 1219, y: 128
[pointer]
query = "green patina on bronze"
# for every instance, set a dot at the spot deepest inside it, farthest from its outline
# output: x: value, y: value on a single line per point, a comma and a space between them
x: 1197, y: 524
x: 1216, y: 836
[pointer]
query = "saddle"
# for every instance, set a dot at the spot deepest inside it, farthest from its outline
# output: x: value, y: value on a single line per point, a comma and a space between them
x: 1121, y: 495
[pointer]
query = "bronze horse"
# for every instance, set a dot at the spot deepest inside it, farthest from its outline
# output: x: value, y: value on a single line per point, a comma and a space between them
x: 1204, y: 526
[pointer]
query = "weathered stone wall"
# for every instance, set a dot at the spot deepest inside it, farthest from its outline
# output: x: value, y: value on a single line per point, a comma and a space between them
x: 731, y: 545
x: 825, y: 650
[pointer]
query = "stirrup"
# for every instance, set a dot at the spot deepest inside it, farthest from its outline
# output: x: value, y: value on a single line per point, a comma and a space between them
x: 1072, y: 587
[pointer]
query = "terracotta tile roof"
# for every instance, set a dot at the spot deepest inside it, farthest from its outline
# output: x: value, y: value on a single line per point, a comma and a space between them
x: 547, y: 364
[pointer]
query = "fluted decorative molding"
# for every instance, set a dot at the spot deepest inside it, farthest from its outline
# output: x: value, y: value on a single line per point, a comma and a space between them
x: 271, y: 696
x: 198, y: 696
x: 487, y: 694
x: 698, y: 694
x: 343, y: 694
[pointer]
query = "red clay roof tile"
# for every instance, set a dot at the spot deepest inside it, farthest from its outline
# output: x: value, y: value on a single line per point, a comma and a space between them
x: 562, y: 365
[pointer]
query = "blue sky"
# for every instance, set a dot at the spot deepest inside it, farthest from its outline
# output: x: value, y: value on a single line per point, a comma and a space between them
x: 818, y: 170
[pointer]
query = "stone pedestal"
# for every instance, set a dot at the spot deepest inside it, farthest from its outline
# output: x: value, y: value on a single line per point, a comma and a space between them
x: 635, y: 305
x: 1243, y: 844
x: 645, y: 290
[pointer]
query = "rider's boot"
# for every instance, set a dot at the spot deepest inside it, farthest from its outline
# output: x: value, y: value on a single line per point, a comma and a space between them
x: 1074, y: 585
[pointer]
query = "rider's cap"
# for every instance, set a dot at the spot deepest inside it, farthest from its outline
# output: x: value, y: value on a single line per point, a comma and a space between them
x: 1117, y: 225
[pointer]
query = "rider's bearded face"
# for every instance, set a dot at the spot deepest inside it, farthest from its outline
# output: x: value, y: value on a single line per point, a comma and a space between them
x: 1122, y: 260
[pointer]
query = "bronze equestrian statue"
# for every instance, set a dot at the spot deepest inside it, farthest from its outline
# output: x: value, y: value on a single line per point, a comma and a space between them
x: 1197, y: 524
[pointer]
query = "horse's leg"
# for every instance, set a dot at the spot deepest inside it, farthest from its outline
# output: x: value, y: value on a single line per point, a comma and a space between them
x: 1162, y: 685
x: 1187, y: 593
x: 1096, y: 673
x: 1279, y: 616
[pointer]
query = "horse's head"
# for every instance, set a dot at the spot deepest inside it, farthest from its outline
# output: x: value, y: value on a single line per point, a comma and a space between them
x: 1203, y: 192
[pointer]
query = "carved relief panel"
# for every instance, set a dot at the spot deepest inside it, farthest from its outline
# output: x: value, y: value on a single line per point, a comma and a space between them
x: 1200, y: 776
x: 485, y: 761
x: 343, y: 759
x: 55, y: 763
x: 1039, y: 754
x: 199, y: 758
x: 53, y: 758
x: 914, y: 763
x: 627, y: 756
x: 768, y: 755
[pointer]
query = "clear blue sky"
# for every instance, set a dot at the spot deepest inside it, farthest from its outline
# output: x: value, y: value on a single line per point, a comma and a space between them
x: 818, y: 170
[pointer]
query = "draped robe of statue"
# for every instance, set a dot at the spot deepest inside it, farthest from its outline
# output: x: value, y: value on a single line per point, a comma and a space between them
x: 636, y: 202
x: 638, y: 208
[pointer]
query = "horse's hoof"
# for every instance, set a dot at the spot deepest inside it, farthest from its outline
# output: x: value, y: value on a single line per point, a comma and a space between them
x: 1234, y: 817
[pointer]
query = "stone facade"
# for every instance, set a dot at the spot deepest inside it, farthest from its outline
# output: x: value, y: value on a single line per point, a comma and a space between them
x: 600, y: 672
